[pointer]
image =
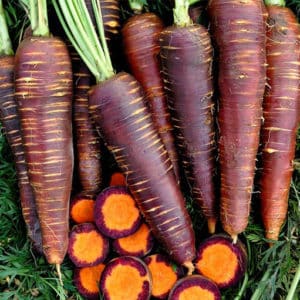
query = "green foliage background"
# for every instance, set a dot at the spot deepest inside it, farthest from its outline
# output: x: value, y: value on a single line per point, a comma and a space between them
x: 23, y: 275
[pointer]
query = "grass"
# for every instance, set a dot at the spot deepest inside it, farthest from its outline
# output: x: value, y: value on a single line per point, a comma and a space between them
x: 23, y: 275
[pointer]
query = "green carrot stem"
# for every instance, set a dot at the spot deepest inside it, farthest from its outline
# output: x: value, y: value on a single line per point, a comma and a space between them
x: 243, y: 288
x: 275, y: 2
x: 261, y: 287
x: 136, y: 5
x: 5, y: 42
x: 39, y: 17
x: 181, y: 14
x: 291, y: 294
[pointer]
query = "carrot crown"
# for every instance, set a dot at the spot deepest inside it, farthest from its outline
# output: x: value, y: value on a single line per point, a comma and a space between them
x: 5, y: 42
x: 79, y: 28
x: 39, y: 17
x: 137, y: 6
x: 275, y: 2
x: 181, y: 14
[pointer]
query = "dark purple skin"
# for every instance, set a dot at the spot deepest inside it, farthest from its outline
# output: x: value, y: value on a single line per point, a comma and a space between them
x: 118, y: 107
x: 100, y: 220
x: 121, y: 251
x: 85, y: 293
x: 84, y: 228
x: 9, y: 118
x: 194, y: 280
x: 238, y: 248
x: 129, y: 261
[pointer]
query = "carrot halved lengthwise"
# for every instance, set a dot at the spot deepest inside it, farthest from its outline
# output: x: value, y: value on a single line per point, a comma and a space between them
x: 140, y: 39
x: 281, y: 109
x: 194, y: 287
x: 116, y: 213
x: 238, y: 29
x: 138, y: 244
x: 9, y: 118
x: 82, y: 209
x: 87, y: 281
x: 126, y: 277
x: 164, y: 274
x: 87, y: 246
x: 43, y: 85
x: 186, y: 58
x: 222, y: 261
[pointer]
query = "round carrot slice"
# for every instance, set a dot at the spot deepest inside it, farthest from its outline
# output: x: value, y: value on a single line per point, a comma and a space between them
x: 82, y: 209
x: 116, y: 213
x: 117, y: 179
x: 87, y: 281
x: 138, y: 244
x: 126, y: 277
x: 164, y: 275
x: 219, y: 259
x: 194, y: 287
x: 87, y: 246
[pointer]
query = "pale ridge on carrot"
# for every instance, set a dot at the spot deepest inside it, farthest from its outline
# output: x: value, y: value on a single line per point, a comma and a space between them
x: 238, y: 29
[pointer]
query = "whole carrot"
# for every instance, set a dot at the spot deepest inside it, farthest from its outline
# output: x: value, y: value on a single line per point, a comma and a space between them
x: 238, y: 29
x: 281, y: 109
x: 10, y: 121
x: 43, y: 83
x: 117, y: 106
x: 186, y: 58
x: 140, y: 39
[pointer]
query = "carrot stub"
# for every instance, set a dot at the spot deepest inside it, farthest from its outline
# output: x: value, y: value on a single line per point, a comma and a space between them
x: 87, y: 246
x: 82, y: 209
x: 87, y: 281
x: 222, y: 261
x: 163, y: 274
x: 138, y: 244
x: 116, y: 213
x: 194, y: 287
x: 127, y: 278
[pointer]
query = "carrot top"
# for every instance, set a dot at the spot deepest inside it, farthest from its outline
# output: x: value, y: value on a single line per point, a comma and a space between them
x: 78, y: 26
x: 275, y: 2
x: 137, y: 6
x: 38, y: 16
x: 5, y: 42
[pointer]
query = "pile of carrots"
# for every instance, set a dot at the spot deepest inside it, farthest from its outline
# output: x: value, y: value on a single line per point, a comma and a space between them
x: 182, y: 109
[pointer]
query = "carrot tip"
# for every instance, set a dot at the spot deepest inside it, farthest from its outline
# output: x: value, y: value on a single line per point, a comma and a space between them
x: 211, y: 224
x: 190, y: 267
x: 234, y: 238
x: 58, y: 270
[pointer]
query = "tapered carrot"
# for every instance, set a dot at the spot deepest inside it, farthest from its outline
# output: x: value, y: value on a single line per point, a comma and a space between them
x: 238, y: 29
x: 281, y: 115
x: 10, y: 121
x: 186, y: 57
x: 43, y: 83
x: 117, y: 106
x: 140, y: 39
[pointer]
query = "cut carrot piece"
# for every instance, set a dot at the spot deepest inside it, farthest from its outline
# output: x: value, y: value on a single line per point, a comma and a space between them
x: 117, y: 179
x: 195, y: 287
x: 138, y: 244
x: 87, y: 246
x: 126, y: 277
x: 164, y: 275
x: 221, y: 260
x: 87, y: 281
x: 116, y: 213
x: 82, y: 209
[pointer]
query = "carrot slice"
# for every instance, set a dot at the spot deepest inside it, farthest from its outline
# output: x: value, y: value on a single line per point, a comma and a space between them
x: 87, y: 246
x: 116, y: 213
x: 194, y: 287
x: 126, y: 277
x: 164, y: 275
x: 117, y: 179
x: 82, y: 209
x: 87, y: 281
x: 221, y: 260
x: 138, y: 244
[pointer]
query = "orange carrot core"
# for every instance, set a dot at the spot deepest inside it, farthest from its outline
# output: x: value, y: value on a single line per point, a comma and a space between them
x: 196, y: 293
x: 163, y: 277
x: 90, y: 277
x: 83, y: 211
x: 117, y: 179
x: 136, y: 242
x: 125, y: 282
x: 120, y: 212
x: 219, y: 263
x: 88, y: 246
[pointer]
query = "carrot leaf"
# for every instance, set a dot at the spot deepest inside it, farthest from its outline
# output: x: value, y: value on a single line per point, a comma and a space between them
x: 275, y: 2
x: 5, y: 42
